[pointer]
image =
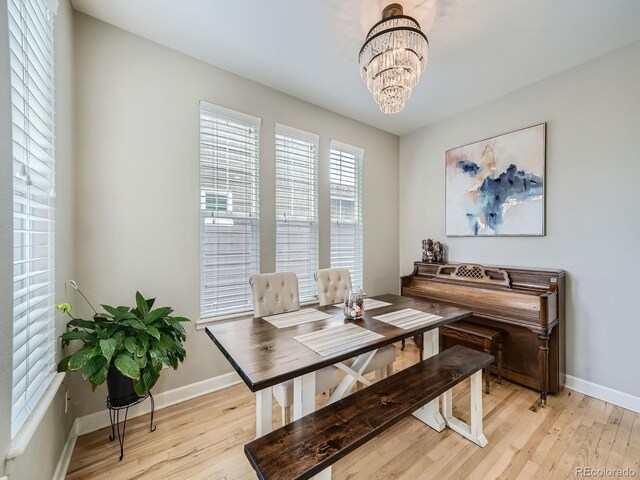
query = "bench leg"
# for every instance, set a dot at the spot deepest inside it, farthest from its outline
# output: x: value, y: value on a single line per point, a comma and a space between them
x: 499, y: 359
x: 264, y: 412
x: 430, y: 413
x: 487, y: 349
x: 471, y: 432
x: 304, y: 395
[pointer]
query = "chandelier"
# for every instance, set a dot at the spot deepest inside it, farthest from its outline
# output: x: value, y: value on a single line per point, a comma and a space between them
x: 392, y: 58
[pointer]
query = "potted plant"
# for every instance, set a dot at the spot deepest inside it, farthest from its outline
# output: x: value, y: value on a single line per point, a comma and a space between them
x: 126, y: 347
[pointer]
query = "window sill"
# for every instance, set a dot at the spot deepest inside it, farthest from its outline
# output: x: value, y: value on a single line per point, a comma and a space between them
x: 21, y: 441
x: 204, y: 322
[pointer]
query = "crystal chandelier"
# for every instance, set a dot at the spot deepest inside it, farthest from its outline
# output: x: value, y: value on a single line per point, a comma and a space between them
x: 392, y: 58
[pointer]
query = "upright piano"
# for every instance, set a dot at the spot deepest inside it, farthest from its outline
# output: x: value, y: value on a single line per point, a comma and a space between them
x: 526, y: 303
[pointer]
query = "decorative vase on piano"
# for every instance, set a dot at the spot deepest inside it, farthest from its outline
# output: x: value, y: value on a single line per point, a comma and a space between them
x: 354, y: 305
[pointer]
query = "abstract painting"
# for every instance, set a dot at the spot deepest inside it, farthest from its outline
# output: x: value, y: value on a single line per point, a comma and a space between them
x: 496, y: 186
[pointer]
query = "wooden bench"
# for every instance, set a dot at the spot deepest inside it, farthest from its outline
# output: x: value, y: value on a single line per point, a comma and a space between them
x: 483, y: 336
x: 310, y: 445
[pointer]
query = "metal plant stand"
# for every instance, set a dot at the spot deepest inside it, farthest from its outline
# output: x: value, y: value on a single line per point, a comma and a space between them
x: 114, y: 417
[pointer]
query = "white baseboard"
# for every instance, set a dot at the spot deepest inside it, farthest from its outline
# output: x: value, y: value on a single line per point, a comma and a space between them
x: 98, y: 420
x: 601, y: 392
x: 67, y: 451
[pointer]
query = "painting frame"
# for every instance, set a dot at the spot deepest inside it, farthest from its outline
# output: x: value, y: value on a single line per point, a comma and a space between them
x: 542, y: 218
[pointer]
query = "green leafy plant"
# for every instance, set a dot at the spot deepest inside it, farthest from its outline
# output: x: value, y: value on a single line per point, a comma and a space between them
x: 137, y: 341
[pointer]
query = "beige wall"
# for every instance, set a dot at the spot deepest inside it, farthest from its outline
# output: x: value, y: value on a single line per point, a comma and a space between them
x: 138, y: 180
x: 592, y: 207
x: 41, y: 456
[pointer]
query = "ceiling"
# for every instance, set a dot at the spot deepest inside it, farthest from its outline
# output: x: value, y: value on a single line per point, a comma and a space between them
x: 479, y: 50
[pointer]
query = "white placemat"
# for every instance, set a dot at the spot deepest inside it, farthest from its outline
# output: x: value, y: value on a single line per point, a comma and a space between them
x: 338, y: 339
x: 408, y: 318
x: 369, y: 304
x: 300, y: 317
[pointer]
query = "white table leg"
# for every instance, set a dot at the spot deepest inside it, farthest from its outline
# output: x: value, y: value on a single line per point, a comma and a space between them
x: 264, y: 412
x: 430, y: 413
x: 304, y: 395
x: 324, y: 474
x: 304, y: 403
x: 353, y: 374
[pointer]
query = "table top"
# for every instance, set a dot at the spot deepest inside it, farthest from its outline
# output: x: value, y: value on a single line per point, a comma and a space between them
x: 264, y: 355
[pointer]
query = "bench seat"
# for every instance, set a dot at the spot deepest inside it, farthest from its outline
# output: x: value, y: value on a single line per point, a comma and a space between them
x: 313, y: 443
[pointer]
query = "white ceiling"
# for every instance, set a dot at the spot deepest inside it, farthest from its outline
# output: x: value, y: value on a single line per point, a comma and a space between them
x: 479, y: 49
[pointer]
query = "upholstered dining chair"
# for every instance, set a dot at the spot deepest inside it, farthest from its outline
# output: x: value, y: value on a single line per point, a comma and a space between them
x: 333, y: 284
x: 275, y: 293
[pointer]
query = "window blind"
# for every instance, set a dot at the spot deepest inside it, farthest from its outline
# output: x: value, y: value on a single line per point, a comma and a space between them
x: 31, y: 63
x: 297, y: 206
x: 229, y: 209
x: 346, y: 165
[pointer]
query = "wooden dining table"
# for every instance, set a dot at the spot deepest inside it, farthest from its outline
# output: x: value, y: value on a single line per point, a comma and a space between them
x: 264, y: 355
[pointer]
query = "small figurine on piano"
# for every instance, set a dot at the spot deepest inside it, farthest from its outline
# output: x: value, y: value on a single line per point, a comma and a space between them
x: 432, y: 252
x: 438, y: 248
x: 428, y: 255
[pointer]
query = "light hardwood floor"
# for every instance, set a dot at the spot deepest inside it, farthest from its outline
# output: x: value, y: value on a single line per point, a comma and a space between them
x: 203, y: 439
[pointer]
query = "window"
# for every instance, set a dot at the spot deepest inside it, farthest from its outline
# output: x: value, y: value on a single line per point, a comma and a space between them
x: 297, y: 206
x: 346, y: 209
x: 219, y: 202
x: 31, y: 50
x: 229, y: 209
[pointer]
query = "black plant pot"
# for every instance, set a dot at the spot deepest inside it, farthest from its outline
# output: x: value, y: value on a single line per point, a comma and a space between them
x: 121, y: 391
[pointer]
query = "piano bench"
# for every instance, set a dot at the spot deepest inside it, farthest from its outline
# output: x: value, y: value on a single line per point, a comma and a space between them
x: 484, y: 337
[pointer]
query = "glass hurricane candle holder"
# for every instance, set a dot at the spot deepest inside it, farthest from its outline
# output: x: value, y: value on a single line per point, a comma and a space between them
x: 354, y: 305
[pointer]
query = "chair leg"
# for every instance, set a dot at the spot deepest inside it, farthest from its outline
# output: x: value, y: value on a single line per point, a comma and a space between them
x: 402, y: 347
x: 286, y: 415
x: 389, y: 369
x: 381, y: 373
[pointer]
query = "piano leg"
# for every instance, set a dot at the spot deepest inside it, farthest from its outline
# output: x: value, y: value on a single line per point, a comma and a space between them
x: 543, y: 365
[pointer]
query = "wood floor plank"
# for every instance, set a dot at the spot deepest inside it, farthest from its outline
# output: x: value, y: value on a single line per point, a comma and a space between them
x: 619, y: 447
x: 568, y: 458
x: 203, y: 439
x: 586, y: 455
x: 606, y: 440
x: 564, y: 436
x: 632, y: 453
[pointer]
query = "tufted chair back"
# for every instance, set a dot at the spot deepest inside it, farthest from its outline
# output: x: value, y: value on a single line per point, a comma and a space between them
x: 333, y: 284
x: 274, y: 293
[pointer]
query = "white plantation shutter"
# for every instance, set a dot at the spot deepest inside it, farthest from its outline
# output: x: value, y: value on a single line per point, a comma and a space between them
x: 229, y: 209
x: 297, y: 206
x: 31, y: 50
x: 346, y: 209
